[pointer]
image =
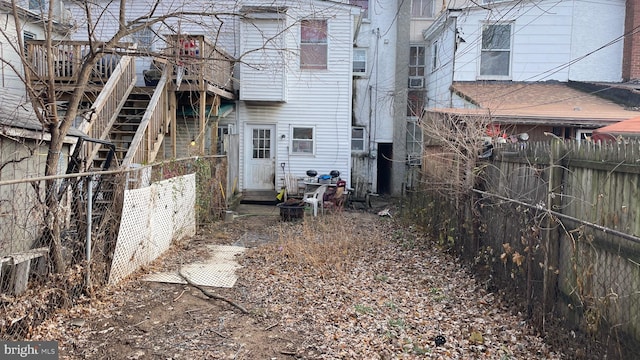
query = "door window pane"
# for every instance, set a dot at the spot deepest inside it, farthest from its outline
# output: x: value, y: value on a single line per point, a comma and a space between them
x: 261, y: 143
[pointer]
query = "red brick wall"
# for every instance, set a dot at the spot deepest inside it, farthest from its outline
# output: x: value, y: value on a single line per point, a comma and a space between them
x: 631, y: 54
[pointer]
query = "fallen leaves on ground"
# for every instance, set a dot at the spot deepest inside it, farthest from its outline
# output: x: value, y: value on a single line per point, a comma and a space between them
x: 396, y: 296
x: 343, y: 286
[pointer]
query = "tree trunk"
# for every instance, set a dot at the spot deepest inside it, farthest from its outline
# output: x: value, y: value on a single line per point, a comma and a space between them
x: 52, y: 219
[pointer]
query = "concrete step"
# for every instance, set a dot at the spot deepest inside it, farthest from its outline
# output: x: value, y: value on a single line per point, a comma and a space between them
x: 266, y: 197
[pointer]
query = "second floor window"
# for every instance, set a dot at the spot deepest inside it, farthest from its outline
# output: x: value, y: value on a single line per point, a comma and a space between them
x: 416, y: 66
x: 416, y: 61
x: 422, y: 9
x: 495, y: 57
x: 359, y: 61
x: 313, y: 44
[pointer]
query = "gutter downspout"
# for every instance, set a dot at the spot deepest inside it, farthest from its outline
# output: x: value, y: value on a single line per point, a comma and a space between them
x: 453, y: 58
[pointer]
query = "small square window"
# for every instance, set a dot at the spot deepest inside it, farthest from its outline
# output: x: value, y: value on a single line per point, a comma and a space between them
x: 359, y: 61
x: 357, y: 139
x: 302, y: 140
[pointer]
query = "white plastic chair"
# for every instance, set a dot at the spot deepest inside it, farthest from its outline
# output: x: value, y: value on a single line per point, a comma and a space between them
x: 316, y: 199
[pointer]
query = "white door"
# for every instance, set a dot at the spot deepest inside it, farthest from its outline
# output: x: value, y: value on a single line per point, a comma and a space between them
x: 260, y: 168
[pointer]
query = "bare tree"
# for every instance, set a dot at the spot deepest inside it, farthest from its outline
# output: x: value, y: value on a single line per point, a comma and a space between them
x: 453, y: 145
x: 44, y: 99
x: 174, y: 17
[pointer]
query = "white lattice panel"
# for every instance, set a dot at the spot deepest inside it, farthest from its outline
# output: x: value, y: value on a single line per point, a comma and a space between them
x: 184, y: 223
x: 151, y: 218
x: 130, y: 252
x: 162, y: 205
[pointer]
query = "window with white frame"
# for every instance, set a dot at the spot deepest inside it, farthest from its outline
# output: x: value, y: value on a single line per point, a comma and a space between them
x: 364, y: 4
x: 357, y: 138
x: 414, y: 141
x: 145, y: 39
x: 584, y: 135
x: 422, y: 9
x: 302, y: 140
x: 359, y: 61
x: 313, y: 44
x: 492, y: 1
x: 495, y: 56
x: 416, y: 66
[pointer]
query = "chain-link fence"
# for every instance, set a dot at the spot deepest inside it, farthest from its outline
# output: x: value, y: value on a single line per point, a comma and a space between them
x: 59, y: 235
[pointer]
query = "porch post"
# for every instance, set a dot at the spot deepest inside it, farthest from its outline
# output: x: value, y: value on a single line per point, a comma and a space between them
x: 203, y: 115
x: 174, y: 125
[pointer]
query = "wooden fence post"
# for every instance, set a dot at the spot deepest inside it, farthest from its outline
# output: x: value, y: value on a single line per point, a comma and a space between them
x: 551, y: 234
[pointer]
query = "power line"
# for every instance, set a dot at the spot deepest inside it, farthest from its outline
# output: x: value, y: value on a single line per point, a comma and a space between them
x: 559, y: 67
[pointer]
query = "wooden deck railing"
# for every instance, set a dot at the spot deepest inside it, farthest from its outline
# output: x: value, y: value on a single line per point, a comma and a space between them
x: 68, y: 58
x: 154, y: 125
x: 201, y: 63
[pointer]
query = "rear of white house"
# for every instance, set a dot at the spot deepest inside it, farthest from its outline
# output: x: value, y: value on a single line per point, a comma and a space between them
x: 295, y: 91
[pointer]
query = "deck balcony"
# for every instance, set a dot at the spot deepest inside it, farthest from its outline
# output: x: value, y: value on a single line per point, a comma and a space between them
x: 198, y: 65
x: 68, y: 57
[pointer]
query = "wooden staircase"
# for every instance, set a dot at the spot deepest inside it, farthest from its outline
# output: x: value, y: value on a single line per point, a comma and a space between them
x: 124, y: 127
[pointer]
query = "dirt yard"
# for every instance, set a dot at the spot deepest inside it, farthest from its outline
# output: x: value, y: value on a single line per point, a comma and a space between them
x: 352, y: 285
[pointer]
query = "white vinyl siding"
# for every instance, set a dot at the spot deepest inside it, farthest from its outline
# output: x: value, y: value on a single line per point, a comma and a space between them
x: 263, y: 69
x: 320, y: 100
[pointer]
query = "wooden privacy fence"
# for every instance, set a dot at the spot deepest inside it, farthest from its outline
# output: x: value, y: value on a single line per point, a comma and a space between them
x: 558, y: 226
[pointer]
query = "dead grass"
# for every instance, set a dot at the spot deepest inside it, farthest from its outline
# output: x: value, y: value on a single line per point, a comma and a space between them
x: 330, y: 245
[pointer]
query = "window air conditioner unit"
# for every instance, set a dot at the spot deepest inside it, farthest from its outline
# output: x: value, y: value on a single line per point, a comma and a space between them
x: 416, y: 82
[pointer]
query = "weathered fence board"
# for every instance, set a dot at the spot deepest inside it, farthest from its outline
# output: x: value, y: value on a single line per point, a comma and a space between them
x: 561, y: 221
